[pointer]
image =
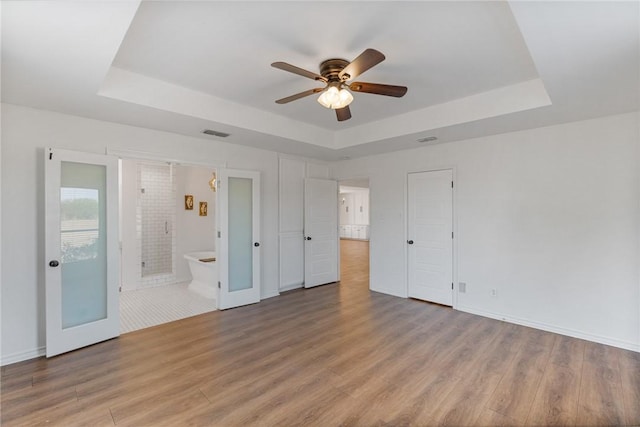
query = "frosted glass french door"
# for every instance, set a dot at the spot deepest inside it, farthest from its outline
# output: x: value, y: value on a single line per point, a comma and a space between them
x: 81, y: 248
x: 239, y: 237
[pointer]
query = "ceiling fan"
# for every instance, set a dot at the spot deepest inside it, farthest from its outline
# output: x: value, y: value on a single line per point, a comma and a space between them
x: 337, y: 73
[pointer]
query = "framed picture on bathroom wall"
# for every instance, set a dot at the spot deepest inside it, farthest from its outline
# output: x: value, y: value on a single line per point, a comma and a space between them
x: 188, y: 202
x: 203, y: 208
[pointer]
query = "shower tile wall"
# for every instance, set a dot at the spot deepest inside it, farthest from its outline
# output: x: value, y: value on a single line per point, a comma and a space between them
x: 155, y: 219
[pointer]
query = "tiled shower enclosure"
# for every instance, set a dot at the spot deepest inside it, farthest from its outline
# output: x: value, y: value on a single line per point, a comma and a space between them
x: 155, y: 219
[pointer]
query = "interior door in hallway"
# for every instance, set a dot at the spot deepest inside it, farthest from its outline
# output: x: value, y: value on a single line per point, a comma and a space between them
x: 430, y: 236
x: 320, y: 232
x: 81, y: 249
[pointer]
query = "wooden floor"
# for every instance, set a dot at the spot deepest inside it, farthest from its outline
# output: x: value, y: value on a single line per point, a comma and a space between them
x: 332, y: 355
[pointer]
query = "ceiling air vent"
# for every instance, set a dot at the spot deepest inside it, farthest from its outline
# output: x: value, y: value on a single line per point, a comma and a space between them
x: 216, y: 133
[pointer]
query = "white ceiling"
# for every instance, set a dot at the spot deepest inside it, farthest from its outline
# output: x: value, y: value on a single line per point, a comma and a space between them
x: 472, y: 68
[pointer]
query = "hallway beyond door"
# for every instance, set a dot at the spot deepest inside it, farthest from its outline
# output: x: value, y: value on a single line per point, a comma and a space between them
x: 354, y: 262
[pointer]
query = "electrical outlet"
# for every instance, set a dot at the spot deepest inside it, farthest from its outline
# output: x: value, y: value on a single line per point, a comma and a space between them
x: 494, y: 293
x: 462, y: 287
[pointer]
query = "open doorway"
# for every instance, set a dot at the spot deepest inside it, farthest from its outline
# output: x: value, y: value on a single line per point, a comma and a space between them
x: 168, y: 242
x: 354, y: 225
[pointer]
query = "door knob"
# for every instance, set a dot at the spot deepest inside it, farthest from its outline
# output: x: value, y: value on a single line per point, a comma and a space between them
x: 256, y: 244
x: 410, y: 242
x: 308, y: 238
x: 53, y: 263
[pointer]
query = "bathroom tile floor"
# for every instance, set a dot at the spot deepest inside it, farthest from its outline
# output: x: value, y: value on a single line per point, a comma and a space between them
x: 143, y: 308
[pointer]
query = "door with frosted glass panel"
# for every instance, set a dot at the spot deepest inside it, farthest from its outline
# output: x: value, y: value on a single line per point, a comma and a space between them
x: 239, y: 237
x: 81, y: 248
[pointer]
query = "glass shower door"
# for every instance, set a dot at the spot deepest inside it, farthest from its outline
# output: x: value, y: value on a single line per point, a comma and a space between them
x: 81, y: 249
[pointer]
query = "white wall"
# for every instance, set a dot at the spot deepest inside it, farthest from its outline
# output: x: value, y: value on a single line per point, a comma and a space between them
x: 130, y: 259
x: 25, y: 133
x: 194, y: 232
x: 549, y: 217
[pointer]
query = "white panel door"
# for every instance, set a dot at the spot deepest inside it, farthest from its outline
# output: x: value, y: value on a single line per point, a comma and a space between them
x: 81, y: 250
x: 320, y: 232
x: 430, y: 236
x: 239, y: 237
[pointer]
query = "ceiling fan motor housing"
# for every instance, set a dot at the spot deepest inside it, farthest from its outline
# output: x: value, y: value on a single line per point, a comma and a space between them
x: 330, y: 69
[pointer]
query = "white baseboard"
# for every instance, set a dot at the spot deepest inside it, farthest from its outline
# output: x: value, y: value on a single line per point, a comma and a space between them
x: 269, y: 295
x: 391, y: 292
x: 552, y: 328
x: 291, y: 287
x: 22, y: 356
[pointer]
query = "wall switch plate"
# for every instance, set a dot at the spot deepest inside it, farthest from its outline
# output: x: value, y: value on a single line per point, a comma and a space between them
x: 462, y: 287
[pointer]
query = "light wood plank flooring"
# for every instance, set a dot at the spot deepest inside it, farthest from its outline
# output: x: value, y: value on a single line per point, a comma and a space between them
x: 332, y: 355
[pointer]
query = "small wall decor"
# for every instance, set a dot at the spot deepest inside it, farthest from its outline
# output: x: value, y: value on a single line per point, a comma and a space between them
x: 203, y: 208
x: 188, y: 202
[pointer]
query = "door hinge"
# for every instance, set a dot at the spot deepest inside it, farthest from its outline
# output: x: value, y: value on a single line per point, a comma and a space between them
x: 451, y: 184
x: 452, y: 234
x: 120, y: 289
x: 218, y: 234
x: 452, y: 286
x: 218, y: 285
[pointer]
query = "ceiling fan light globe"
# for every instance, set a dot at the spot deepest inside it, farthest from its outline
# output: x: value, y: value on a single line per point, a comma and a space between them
x: 329, y: 97
x: 335, y: 99
x: 345, y: 98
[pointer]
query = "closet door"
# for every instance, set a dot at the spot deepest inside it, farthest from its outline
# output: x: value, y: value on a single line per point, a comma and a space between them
x: 430, y: 236
x: 320, y: 232
x: 81, y: 249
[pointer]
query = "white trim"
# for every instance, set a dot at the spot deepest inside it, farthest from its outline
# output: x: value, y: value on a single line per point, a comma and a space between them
x: 304, y: 159
x: 551, y: 328
x: 291, y: 287
x: 146, y: 155
x: 21, y: 356
x: 270, y: 295
x: 391, y: 292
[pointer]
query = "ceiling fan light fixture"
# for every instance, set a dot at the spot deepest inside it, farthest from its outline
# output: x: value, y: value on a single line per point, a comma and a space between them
x: 335, y: 98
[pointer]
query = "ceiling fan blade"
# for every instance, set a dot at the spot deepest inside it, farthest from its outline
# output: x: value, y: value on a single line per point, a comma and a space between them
x: 362, y: 63
x: 378, y: 89
x: 343, y: 113
x: 299, y: 95
x: 297, y: 70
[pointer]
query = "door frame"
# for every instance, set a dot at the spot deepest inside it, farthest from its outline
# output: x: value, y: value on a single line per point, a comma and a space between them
x: 454, y: 219
x: 340, y: 180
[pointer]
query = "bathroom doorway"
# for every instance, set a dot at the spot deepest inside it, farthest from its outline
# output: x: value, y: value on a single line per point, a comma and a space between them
x: 354, y: 226
x: 167, y: 216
